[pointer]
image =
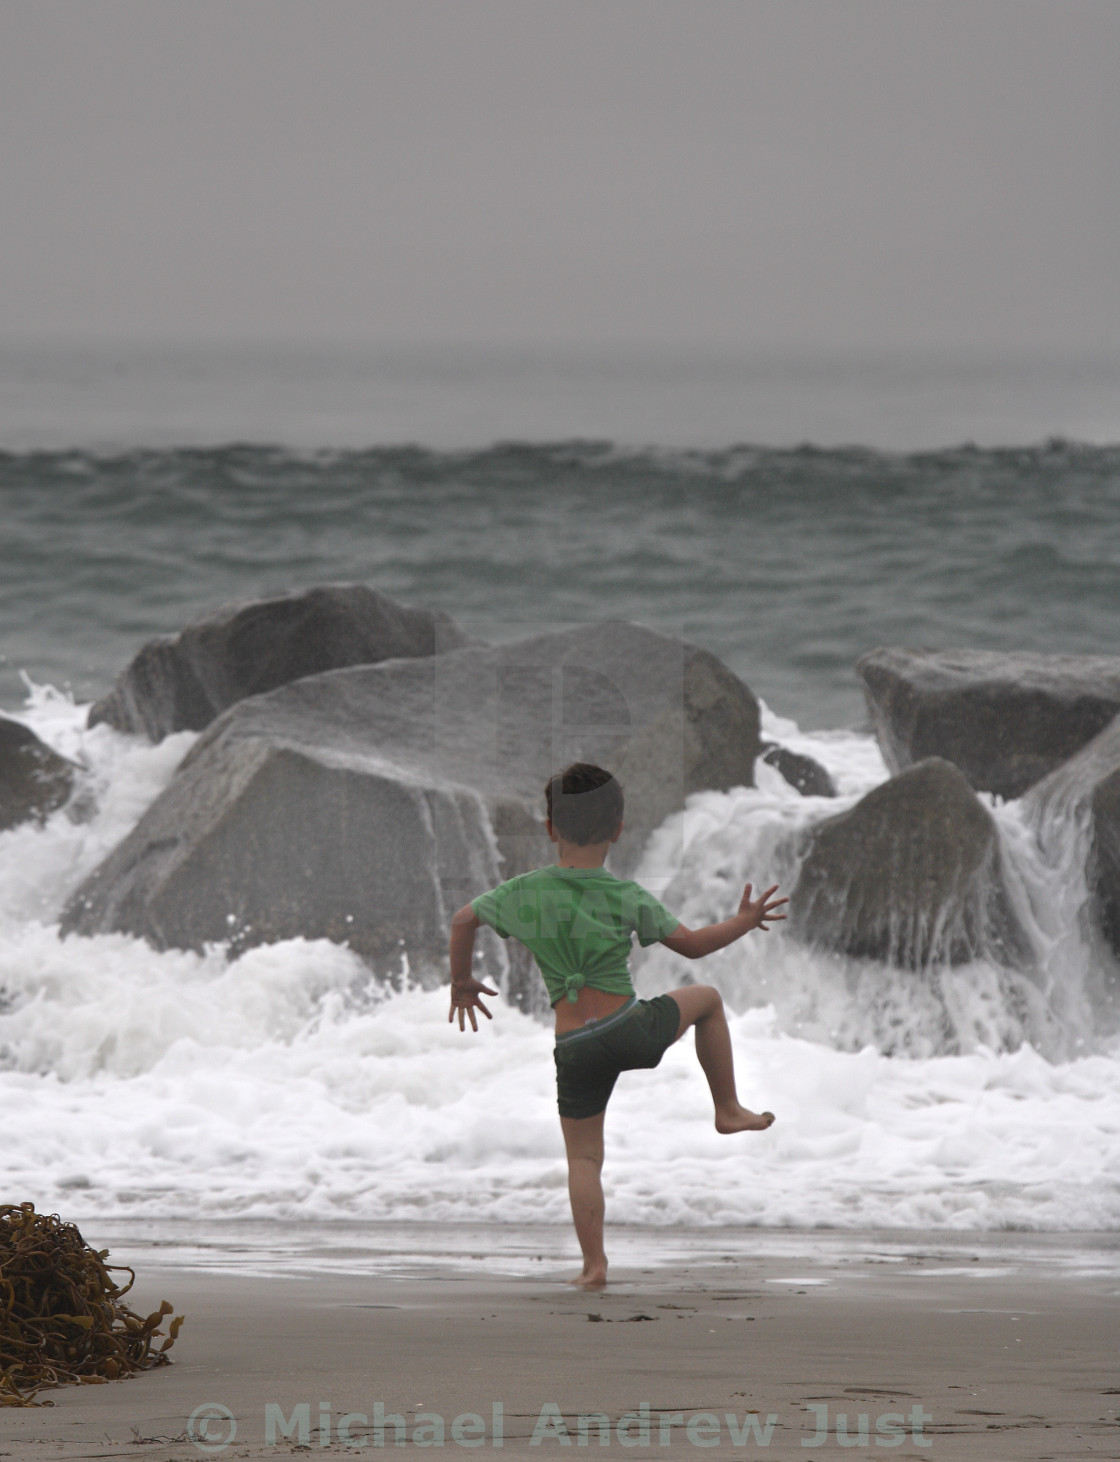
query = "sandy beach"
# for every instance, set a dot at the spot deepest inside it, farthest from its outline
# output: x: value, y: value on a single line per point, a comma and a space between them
x: 779, y: 1343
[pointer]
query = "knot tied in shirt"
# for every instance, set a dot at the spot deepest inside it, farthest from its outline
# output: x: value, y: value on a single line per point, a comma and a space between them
x: 573, y: 984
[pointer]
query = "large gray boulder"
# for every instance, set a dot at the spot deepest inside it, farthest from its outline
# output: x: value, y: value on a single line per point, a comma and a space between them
x: 911, y: 875
x: 1005, y: 719
x: 1104, y: 865
x: 182, y: 682
x: 34, y: 780
x: 1085, y: 793
x: 366, y: 805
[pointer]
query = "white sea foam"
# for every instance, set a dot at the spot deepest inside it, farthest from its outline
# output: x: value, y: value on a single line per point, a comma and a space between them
x: 286, y: 1084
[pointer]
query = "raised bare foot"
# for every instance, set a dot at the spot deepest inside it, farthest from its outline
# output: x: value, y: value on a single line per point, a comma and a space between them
x: 593, y: 1276
x: 741, y: 1119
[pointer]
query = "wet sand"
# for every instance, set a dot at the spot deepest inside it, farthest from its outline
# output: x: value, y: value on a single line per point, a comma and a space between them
x: 927, y: 1345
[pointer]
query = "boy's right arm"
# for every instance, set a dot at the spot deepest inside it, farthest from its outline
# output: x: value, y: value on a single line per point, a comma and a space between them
x: 752, y: 914
x: 465, y: 989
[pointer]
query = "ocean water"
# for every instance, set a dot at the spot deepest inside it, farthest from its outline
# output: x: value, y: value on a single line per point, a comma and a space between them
x: 287, y: 1084
x: 788, y: 563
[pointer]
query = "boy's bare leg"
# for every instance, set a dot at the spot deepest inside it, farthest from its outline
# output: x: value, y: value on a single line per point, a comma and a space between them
x: 702, y: 1006
x: 583, y: 1139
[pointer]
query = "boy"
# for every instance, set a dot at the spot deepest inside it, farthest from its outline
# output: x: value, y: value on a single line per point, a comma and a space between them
x: 577, y: 919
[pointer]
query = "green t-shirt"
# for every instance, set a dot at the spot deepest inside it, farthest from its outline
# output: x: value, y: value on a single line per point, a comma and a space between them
x: 576, y: 923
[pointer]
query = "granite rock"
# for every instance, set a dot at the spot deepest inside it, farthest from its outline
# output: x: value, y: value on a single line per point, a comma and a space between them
x: 1085, y: 792
x: 367, y: 804
x: 34, y: 780
x: 182, y: 682
x: 799, y: 770
x: 911, y: 875
x: 1005, y: 719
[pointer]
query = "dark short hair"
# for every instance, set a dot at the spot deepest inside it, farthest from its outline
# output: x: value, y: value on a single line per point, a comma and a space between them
x: 584, y: 803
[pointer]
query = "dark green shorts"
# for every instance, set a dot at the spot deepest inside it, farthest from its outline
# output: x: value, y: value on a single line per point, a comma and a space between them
x: 589, y: 1060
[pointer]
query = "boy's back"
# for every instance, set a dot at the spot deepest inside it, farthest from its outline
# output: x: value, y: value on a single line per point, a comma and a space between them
x: 577, y: 923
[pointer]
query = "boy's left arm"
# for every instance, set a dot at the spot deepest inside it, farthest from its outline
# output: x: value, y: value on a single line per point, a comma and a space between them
x: 465, y: 989
x: 752, y: 914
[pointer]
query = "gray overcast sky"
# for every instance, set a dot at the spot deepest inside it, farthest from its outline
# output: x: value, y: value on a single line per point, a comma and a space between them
x: 686, y: 173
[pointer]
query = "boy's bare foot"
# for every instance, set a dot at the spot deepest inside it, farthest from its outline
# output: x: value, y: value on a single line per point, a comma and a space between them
x: 593, y: 1276
x: 740, y: 1119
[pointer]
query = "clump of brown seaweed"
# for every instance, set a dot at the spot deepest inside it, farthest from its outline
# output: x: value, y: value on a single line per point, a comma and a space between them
x: 61, y: 1317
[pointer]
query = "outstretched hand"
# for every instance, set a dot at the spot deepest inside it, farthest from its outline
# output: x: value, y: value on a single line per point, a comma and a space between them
x: 758, y: 911
x: 464, y: 999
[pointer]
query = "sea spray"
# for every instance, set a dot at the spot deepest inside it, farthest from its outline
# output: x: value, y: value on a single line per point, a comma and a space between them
x: 286, y: 1083
x: 723, y: 840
